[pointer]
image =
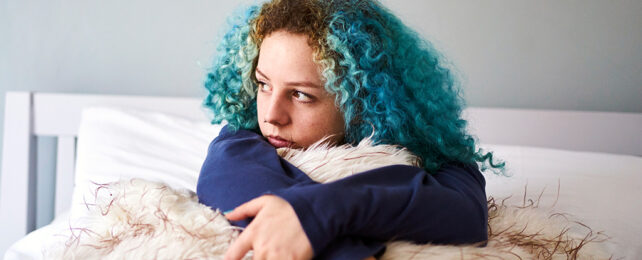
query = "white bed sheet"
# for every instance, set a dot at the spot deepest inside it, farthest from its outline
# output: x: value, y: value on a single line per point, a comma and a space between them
x: 33, y: 245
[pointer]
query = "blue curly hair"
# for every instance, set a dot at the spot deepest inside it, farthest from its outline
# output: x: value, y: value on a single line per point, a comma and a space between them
x: 390, y: 84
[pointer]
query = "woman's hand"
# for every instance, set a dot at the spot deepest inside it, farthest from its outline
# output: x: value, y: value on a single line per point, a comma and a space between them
x: 274, y: 233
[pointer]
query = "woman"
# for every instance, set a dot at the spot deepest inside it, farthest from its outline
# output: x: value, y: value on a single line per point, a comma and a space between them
x: 293, y: 72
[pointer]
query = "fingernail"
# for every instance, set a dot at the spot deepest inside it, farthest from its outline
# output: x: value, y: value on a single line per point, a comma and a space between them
x: 227, y: 212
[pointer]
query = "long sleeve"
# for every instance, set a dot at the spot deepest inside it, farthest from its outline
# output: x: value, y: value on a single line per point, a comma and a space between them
x: 353, y: 217
x: 395, y: 203
x: 241, y: 166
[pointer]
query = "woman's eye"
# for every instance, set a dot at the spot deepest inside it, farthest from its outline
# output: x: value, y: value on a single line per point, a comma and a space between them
x: 302, y: 97
x: 263, y: 87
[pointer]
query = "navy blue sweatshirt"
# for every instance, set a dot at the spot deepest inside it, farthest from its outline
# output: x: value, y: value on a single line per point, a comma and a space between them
x: 353, y: 217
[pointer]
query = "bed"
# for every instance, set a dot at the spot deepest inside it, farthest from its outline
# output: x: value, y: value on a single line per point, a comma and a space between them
x: 586, y: 164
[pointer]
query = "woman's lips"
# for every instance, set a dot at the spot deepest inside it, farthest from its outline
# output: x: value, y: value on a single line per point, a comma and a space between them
x: 279, y: 142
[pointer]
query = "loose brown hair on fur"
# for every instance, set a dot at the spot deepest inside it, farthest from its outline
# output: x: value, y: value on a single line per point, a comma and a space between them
x: 563, y: 244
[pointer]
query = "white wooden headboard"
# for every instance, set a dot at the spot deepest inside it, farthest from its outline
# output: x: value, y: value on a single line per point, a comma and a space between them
x: 31, y: 114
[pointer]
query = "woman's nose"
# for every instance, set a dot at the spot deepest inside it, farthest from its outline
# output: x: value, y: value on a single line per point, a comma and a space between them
x: 277, y: 111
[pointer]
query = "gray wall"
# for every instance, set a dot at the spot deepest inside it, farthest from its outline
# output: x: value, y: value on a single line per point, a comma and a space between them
x: 549, y: 54
x: 570, y: 55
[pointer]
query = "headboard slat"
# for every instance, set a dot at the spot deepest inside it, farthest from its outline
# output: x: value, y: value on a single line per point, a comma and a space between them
x: 18, y: 190
x: 65, y: 161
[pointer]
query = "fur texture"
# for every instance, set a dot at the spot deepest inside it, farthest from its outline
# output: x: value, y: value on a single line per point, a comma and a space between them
x: 137, y: 219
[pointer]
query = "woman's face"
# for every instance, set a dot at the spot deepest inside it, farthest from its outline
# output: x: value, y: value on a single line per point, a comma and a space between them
x: 293, y: 108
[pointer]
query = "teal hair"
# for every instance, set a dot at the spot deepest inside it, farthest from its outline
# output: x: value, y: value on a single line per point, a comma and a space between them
x: 231, y: 90
x: 390, y: 84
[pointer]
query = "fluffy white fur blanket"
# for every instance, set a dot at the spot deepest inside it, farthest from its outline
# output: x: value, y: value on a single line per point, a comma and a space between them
x: 137, y: 219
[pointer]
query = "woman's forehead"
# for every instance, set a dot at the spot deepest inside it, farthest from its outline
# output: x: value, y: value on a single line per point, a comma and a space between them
x: 285, y: 55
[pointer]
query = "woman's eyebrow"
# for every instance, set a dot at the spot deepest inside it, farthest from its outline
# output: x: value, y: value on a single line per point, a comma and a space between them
x: 261, y: 73
x: 306, y: 84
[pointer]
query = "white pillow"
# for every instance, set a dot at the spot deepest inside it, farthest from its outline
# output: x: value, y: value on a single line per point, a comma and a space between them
x: 115, y: 144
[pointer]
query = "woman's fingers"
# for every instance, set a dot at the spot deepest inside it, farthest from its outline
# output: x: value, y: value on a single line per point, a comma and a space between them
x: 246, y: 210
x: 243, y: 243
x: 239, y: 248
x: 274, y: 233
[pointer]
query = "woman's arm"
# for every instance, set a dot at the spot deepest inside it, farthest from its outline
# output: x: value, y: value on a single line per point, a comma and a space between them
x: 276, y: 233
x: 240, y: 166
x: 395, y: 203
